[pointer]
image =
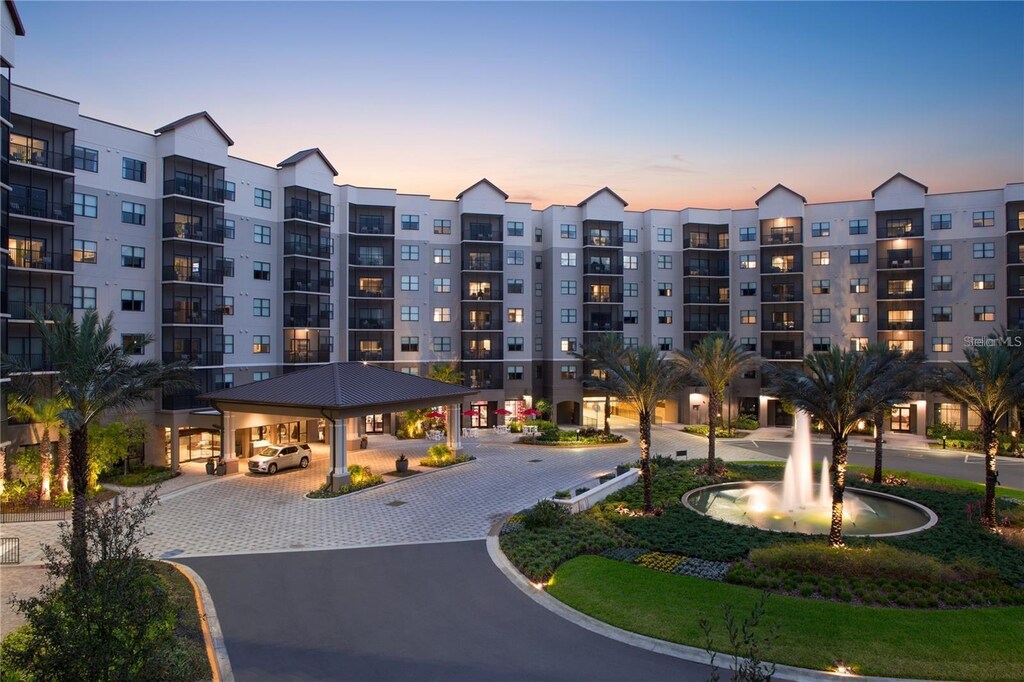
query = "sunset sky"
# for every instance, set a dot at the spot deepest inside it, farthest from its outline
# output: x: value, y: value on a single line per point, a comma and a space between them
x: 670, y: 104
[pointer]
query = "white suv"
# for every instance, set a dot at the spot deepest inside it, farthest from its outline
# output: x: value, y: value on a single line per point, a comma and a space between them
x: 270, y: 458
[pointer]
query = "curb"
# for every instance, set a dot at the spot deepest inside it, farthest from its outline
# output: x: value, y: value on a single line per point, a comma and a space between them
x: 216, y: 651
x: 659, y: 646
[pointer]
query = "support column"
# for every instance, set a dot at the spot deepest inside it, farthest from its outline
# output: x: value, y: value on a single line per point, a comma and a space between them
x: 175, y: 450
x: 227, y: 442
x: 454, y: 427
x: 339, y: 475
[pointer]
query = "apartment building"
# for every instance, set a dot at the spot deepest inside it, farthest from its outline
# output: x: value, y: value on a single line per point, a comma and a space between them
x: 250, y: 270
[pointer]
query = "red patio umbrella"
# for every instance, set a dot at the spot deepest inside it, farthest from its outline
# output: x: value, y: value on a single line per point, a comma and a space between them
x: 435, y: 415
x: 531, y: 412
x: 470, y: 413
x: 502, y: 410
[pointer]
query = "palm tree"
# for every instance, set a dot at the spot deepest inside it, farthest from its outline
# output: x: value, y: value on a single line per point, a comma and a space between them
x: 989, y: 382
x: 448, y: 373
x: 642, y: 375
x: 838, y: 388
x: 94, y: 376
x: 716, y: 361
x: 597, y: 349
x: 905, y: 379
x: 45, y: 415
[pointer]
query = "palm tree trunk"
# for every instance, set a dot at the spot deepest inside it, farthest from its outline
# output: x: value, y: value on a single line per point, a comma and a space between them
x: 645, y: 459
x: 988, y: 435
x: 45, y: 463
x: 607, y: 415
x: 63, y: 454
x: 712, y: 431
x: 3, y: 467
x: 838, y: 471
x: 79, y: 466
x: 879, y: 419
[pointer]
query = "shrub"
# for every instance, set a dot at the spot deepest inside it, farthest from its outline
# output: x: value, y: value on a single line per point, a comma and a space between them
x: 561, y: 495
x: 703, y: 430
x: 361, y: 477
x: 747, y: 423
x: 545, y: 514
x: 580, y: 491
x: 515, y: 427
x: 544, y: 426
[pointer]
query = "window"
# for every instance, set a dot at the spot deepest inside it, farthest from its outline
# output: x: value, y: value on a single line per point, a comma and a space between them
x: 411, y: 222
x: 410, y: 344
x: 630, y: 290
x: 514, y: 257
x: 223, y: 380
x: 262, y: 197
x: 442, y: 314
x: 821, y: 344
x: 631, y: 317
x: 748, y: 288
x: 664, y: 234
x: 942, y: 252
x: 409, y: 313
x: 538, y: 234
x: 84, y: 251
x: 942, y: 221
x: 568, y: 344
x: 515, y: 343
x: 538, y: 344
x: 984, y: 313
x: 942, y: 282
x: 664, y: 317
x: 858, y: 256
x: 630, y: 262
x: 260, y: 376
x: 441, y: 344
x: 260, y: 343
x: 409, y: 283
x: 442, y: 226
x: 821, y: 315
x: 630, y: 235
x: 942, y: 313
x: 411, y: 252
x: 515, y: 286
x: 985, y: 250
x: 224, y: 343
x: 568, y: 315
x: 821, y: 229
x: 859, y: 315
x: 859, y: 285
x: 225, y: 304
x: 87, y: 159
x: 748, y: 262
x: 514, y: 228
x: 442, y: 285
x: 900, y: 318
x: 516, y: 315
x: 748, y: 234
x: 515, y: 372
x: 568, y: 372
x: 568, y: 259
x: 568, y: 287
x: 133, y: 257
x: 538, y: 316
x: 133, y: 169
x: 442, y: 256
x: 261, y: 270
x: 942, y: 344
x: 133, y: 344
x: 859, y: 343
x: 859, y: 226
x: 821, y: 286
x: 748, y: 317
x: 568, y: 231
x: 984, y: 282
x: 227, y: 189
x: 665, y: 289
x: 261, y: 234
x: 133, y: 300
x: 132, y: 213
x: 228, y: 226
x: 819, y: 257
x: 664, y: 343
x: 748, y: 343
x: 261, y: 307
x: 983, y: 219
x: 538, y: 262
x: 85, y: 205
x: 664, y: 262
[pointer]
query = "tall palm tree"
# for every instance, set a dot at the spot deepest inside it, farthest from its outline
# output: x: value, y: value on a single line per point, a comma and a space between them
x: 716, y: 361
x: 94, y: 376
x: 905, y: 378
x: 642, y: 375
x: 45, y: 415
x: 989, y: 382
x: 604, y: 344
x: 839, y: 388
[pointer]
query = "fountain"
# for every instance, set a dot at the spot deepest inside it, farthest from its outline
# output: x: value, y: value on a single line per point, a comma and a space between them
x: 798, y: 505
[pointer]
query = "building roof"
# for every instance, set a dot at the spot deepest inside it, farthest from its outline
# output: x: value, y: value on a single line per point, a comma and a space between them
x: 900, y: 175
x: 305, y: 153
x: 19, y: 26
x: 483, y: 181
x: 341, y: 386
x: 603, y: 189
x: 193, y: 117
x: 780, y: 186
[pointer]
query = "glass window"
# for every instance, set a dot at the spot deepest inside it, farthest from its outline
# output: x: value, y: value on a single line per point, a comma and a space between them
x: 859, y: 315
x: 133, y: 300
x: 409, y: 313
x: 985, y: 250
x: 515, y: 372
x: 859, y: 226
x: 568, y: 372
x: 568, y: 315
x: 262, y: 197
x: 228, y: 225
x: 942, y: 252
x: 568, y: 231
x: 442, y: 226
x: 442, y: 285
x: 821, y: 344
x: 664, y: 317
x: 515, y: 286
x: 984, y: 282
x: 87, y: 159
x: 133, y: 169
x: 568, y: 259
x: 942, y: 221
x: 983, y: 219
x: 225, y: 304
x: 261, y: 307
x: 630, y: 290
x: 410, y: 344
x: 821, y: 286
x: 410, y: 222
x: 984, y: 313
x: 630, y: 262
x: 942, y: 344
x: 859, y: 343
x: 260, y: 343
x: 84, y: 251
x: 261, y: 234
x: 409, y: 283
x: 83, y: 298
x: 748, y: 288
x: 664, y: 262
x: 442, y: 256
x: 858, y: 256
x: 665, y: 289
x: 514, y: 228
x: 442, y: 314
x: 664, y: 234
x: 819, y: 257
x: 514, y: 257
x: 568, y: 344
x: 748, y: 262
x: 224, y: 343
x: 261, y: 270
x: 568, y: 287
x: 942, y: 313
x: 260, y: 376
x: 859, y: 285
x: 630, y: 235
x: 132, y: 213
x: 133, y: 257
x: 515, y: 343
x: 631, y: 317
x: 942, y: 282
x: 226, y: 190
x: 412, y: 252
x: 441, y: 344
x: 748, y: 317
x: 85, y: 205
x: 821, y: 229
x: 748, y: 234
x: 821, y: 315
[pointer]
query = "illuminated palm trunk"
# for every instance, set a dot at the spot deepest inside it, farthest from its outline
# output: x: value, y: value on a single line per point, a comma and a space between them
x: 988, y: 435
x: 879, y: 421
x: 645, y: 458
x: 713, y: 406
x: 838, y: 471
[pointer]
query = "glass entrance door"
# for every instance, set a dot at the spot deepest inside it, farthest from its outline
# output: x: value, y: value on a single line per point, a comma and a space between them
x: 901, y: 418
x: 374, y: 423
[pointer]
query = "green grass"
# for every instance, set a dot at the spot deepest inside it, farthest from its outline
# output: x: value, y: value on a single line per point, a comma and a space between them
x: 965, y: 644
x: 188, y: 629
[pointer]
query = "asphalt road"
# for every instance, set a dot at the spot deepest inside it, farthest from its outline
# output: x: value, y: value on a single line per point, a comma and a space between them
x: 954, y: 464
x: 412, y: 612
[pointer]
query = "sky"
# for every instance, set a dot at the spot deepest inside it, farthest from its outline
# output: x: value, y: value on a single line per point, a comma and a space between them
x: 671, y: 104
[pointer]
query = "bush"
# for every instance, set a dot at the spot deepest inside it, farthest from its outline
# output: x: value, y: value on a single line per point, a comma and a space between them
x: 545, y: 514
x: 561, y: 495
x: 148, y: 475
x: 515, y: 427
x: 361, y: 477
x: 543, y: 426
x: 439, y: 451
x: 705, y: 431
x: 747, y: 423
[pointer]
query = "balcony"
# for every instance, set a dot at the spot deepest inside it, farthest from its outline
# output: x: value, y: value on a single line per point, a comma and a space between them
x: 371, y: 323
x: 308, y: 213
x: 705, y: 242
x: 480, y: 325
x: 377, y: 292
x: 779, y: 238
x: 482, y: 264
x: 796, y: 324
x: 711, y: 270
x: 182, y: 401
x: 901, y: 325
x: 308, y: 284
x: 486, y: 233
x: 769, y: 268
x: 210, y: 318
x: 492, y: 295
x: 480, y: 354
x: 705, y: 299
x: 198, y: 358
x: 372, y: 260
x: 5, y: 99
x: 20, y: 310
x: 46, y: 210
x: 172, y: 273
x: 615, y: 297
x: 782, y: 297
x: 701, y: 325
x: 306, y: 321
x: 366, y: 355
x: 602, y: 268
x: 602, y: 241
x: 602, y: 326
x: 194, y: 232
x: 383, y: 228
x: 782, y: 354
x: 193, y: 190
x: 307, y: 356
x: 900, y: 294
x: 31, y: 259
x: 900, y: 262
x: 308, y: 250
x: 50, y: 160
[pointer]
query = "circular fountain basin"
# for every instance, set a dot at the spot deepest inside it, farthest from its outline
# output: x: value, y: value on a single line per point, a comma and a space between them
x: 866, y: 513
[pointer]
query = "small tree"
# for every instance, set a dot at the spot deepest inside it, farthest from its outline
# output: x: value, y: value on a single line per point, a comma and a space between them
x: 44, y: 416
x: 905, y: 378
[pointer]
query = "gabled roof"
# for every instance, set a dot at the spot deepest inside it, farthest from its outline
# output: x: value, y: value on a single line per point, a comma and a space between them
x: 19, y: 26
x: 305, y: 153
x: 779, y: 186
x: 603, y: 189
x: 484, y: 181
x: 900, y: 175
x: 342, y: 386
x: 193, y: 117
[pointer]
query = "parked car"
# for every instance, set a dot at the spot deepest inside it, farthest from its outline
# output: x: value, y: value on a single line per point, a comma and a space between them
x: 270, y: 458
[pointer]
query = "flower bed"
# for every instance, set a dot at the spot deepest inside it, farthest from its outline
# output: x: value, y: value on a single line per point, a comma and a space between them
x: 360, y: 478
x: 549, y: 434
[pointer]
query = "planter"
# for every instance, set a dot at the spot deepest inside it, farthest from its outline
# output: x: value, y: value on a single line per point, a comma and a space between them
x: 363, y: 442
x: 222, y: 469
x: 589, y: 498
x: 401, y: 465
x: 211, y: 465
x: 621, y: 469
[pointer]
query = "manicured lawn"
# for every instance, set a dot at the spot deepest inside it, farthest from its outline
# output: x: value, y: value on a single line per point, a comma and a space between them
x: 964, y: 644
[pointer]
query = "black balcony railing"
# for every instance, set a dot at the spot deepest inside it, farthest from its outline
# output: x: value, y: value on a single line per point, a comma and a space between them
x: 900, y: 293
x: 782, y: 354
x: 781, y: 296
x: 595, y: 267
x: 602, y: 326
x: 293, y: 248
x: 615, y: 297
x: 378, y: 292
x: 47, y: 210
x: 705, y: 299
x: 492, y: 295
x: 381, y: 228
x: 299, y: 212
x: 188, y: 316
x: 481, y: 234
x: 770, y: 268
x: 356, y: 355
x: 21, y: 153
x: 371, y: 260
x: 32, y: 259
x: 602, y: 241
x: 780, y: 238
x: 713, y: 270
x: 194, y: 232
x: 21, y: 310
x: 322, y: 286
x: 308, y: 321
x: 485, y: 264
x: 173, y: 273
x: 704, y: 242
x: 480, y: 325
x: 203, y: 358
x: 194, y: 190
x: 371, y: 323
x: 900, y: 262
x: 307, y: 356
x: 477, y: 354
x: 791, y: 325
x: 901, y: 325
